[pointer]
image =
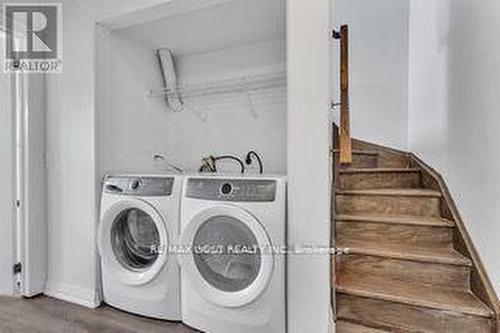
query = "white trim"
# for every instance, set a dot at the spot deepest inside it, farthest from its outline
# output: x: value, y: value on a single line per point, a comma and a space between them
x: 21, y: 133
x: 156, y: 12
x: 8, y: 151
x: 73, y: 294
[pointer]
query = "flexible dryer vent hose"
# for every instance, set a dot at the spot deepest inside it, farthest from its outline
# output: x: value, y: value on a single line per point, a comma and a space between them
x: 167, y: 66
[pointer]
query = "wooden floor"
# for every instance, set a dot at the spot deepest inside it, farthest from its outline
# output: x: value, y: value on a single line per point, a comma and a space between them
x: 43, y: 314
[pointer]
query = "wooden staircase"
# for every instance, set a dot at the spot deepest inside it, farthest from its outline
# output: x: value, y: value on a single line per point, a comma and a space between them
x: 401, y: 264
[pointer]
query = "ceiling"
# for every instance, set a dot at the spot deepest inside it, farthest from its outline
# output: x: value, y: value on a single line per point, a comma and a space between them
x: 224, y: 25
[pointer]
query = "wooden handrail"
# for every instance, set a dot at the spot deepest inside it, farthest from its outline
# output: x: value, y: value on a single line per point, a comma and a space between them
x: 344, y: 128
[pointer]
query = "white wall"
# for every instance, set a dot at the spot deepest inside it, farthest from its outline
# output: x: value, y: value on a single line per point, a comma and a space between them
x: 378, y: 68
x: 73, y: 179
x: 428, y: 80
x: 72, y: 203
x: 134, y: 127
x: 309, y: 126
x: 71, y: 176
x: 454, y: 118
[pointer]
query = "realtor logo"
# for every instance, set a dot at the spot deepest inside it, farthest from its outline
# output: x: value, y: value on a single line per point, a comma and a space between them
x: 34, y: 35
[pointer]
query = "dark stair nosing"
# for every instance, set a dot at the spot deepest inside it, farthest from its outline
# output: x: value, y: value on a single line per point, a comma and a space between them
x: 356, y: 326
x: 378, y: 170
x: 397, y: 192
x: 359, y: 152
x: 409, y: 220
x: 399, y: 294
x: 434, y: 256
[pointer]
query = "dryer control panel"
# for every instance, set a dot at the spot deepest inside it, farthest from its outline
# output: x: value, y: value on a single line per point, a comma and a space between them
x: 235, y: 190
x: 139, y: 186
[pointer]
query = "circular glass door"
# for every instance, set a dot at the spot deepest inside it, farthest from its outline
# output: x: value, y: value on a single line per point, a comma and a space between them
x: 132, y: 240
x: 226, y: 253
x: 227, y: 262
x: 135, y: 239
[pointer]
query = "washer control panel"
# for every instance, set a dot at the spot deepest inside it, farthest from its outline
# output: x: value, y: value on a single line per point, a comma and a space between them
x: 139, y: 186
x: 235, y: 190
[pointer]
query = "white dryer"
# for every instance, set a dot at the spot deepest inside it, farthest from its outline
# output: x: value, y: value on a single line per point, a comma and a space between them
x: 233, y: 271
x: 139, y: 223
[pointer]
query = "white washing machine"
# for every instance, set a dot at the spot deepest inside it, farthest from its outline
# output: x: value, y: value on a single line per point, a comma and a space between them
x: 139, y: 223
x: 233, y: 269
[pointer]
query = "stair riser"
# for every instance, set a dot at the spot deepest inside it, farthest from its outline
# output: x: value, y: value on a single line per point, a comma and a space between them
x: 379, y: 204
x: 392, y: 161
x: 370, y: 180
x: 362, y: 161
x: 385, y: 159
x: 401, y: 317
x: 355, y: 266
x: 382, y: 233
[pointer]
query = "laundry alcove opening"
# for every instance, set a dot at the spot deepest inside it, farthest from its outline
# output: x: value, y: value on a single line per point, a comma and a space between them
x: 230, y: 66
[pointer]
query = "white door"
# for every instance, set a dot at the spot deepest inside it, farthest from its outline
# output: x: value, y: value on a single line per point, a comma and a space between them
x: 31, y: 226
x: 22, y: 203
x: 7, y: 171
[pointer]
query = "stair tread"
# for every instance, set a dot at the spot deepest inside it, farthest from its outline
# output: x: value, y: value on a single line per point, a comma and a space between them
x: 379, y: 170
x: 410, y: 192
x: 348, y: 327
x: 432, y: 255
x: 431, y: 221
x: 458, y: 301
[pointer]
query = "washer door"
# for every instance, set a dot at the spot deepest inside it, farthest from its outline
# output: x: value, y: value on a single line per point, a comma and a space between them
x: 132, y: 241
x: 229, y: 257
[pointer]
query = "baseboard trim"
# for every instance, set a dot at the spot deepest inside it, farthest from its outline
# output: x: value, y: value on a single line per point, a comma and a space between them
x: 73, y: 294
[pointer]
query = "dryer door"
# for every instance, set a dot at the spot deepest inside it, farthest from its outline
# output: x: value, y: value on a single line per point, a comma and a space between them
x: 133, y: 241
x: 229, y: 258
